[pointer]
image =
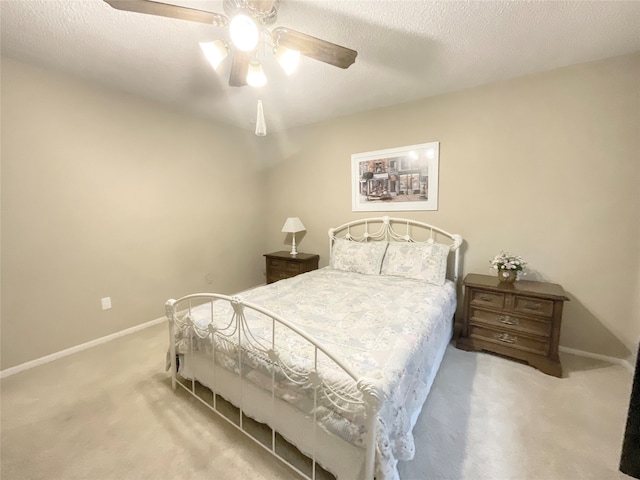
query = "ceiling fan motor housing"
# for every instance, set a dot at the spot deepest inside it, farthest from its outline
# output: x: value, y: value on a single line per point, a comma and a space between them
x: 263, y: 11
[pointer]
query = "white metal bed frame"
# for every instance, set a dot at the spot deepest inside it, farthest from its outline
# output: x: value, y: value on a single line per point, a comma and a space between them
x: 237, y: 331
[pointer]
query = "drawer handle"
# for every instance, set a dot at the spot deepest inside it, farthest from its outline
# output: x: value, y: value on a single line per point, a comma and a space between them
x: 507, y: 320
x: 532, y: 306
x: 485, y: 298
x: 275, y: 263
x: 506, y: 338
x: 283, y: 275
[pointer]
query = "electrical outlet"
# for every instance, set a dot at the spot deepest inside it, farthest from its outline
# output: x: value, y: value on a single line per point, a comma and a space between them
x: 106, y: 303
x: 209, y: 278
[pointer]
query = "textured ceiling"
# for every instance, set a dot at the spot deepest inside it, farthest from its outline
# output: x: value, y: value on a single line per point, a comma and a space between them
x: 406, y: 50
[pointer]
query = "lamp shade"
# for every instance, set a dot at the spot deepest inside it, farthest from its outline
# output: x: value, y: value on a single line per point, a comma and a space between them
x: 288, y: 59
x: 215, y: 52
x: 255, y: 75
x: 293, y: 225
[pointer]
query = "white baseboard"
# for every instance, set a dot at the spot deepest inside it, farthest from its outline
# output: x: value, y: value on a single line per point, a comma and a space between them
x: 597, y: 356
x: 78, y: 348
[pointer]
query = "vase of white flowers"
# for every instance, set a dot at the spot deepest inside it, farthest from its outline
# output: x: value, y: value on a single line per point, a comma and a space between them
x: 509, y: 267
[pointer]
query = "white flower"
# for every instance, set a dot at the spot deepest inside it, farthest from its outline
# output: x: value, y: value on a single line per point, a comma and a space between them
x: 506, y: 261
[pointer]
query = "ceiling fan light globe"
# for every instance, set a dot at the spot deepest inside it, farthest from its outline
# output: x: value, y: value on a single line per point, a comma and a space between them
x: 244, y: 32
x: 215, y: 52
x: 288, y: 59
x: 255, y: 75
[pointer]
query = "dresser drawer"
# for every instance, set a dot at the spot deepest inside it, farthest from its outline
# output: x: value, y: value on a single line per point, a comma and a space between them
x: 487, y: 299
x: 532, y: 306
x: 510, y: 339
x: 284, y: 266
x: 280, y: 265
x: 511, y: 322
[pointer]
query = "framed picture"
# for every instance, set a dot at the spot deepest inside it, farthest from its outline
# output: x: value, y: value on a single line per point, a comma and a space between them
x: 396, y: 179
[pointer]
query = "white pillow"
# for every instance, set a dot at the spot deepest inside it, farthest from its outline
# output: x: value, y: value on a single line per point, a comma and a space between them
x: 358, y: 257
x: 422, y: 261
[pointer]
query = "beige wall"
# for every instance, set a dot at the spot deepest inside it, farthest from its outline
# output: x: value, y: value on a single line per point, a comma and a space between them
x: 107, y: 195
x: 546, y: 166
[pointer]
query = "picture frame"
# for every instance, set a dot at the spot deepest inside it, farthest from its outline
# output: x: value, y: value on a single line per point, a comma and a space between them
x: 396, y: 179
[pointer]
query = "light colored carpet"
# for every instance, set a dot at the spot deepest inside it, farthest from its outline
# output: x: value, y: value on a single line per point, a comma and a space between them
x: 109, y: 413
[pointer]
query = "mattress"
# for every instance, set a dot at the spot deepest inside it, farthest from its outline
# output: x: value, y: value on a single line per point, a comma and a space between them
x: 392, y: 330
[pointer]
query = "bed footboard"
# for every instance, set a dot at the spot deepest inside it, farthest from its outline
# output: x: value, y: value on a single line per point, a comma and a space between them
x: 261, y: 349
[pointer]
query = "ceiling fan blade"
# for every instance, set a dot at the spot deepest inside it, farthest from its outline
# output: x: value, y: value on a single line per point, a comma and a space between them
x: 313, y: 47
x: 239, y: 68
x: 172, y: 11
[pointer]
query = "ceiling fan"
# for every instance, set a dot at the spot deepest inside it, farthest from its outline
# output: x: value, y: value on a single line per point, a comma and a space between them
x: 248, y: 22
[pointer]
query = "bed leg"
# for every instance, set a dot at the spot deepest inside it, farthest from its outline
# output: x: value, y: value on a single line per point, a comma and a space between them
x: 372, y: 398
x: 170, y: 311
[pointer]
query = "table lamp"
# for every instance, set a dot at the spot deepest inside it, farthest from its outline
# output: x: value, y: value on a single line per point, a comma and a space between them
x: 292, y: 226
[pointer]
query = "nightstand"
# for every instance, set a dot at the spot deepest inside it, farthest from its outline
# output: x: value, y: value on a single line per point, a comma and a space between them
x: 282, y: 265
x: 518, y: 320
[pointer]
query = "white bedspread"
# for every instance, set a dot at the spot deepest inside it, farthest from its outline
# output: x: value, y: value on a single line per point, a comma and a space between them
x: 388, y: 329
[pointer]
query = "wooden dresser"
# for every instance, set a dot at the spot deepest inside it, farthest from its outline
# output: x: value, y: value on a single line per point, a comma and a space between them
x: 282, y: 265
x: 519, y: 320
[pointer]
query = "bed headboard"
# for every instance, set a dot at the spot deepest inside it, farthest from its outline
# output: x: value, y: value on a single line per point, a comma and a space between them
x: 389, y: 229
